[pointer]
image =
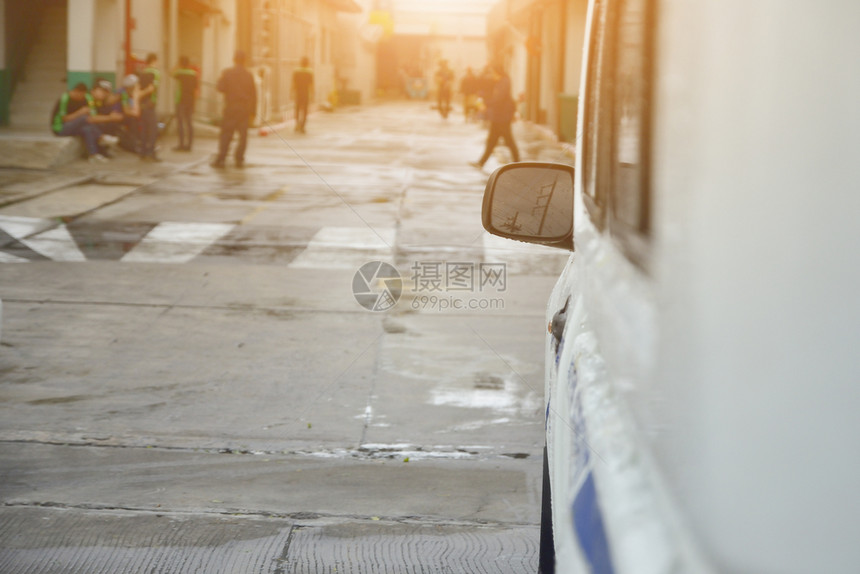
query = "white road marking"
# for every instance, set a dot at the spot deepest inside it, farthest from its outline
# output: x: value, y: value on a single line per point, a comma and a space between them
x: 9, y: 258
x: 20, y: 227
x: 172, y: 242
x: 56, y: 244
x: 346, y: 248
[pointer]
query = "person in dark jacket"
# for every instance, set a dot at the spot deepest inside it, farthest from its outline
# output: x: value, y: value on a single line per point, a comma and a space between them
x: 500, y: 109
x: 240, y: 104
x: 303, y: 85
x: 444, y: 81
x: 147, y: 95
x: 469, y: 89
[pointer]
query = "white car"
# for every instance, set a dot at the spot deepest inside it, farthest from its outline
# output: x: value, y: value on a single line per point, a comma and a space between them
x: 703, y: 354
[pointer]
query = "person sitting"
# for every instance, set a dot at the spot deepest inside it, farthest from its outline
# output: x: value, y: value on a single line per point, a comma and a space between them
x: 108, y: 116
x: 71, y: 117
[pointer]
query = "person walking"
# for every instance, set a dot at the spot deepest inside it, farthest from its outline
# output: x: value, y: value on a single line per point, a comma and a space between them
x: 240, y: 104
x: 444, y: 81
x: 303, y: 85
x: 501, y: 108
x: 186, y: 92
x: 147, y: 96
x: 469, y: 89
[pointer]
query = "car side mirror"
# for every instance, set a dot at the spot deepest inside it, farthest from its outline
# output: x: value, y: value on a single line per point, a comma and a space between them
x: 531, y: 202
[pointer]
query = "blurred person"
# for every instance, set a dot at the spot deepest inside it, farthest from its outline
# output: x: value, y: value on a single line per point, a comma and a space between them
x: 129, y: 138
x: 108, y: 114
x: 71, y: 117
x: 469, y: 89
x: 303, y: 85
x: 147, y: 98
x: 486, y: 82
x: 444, y: 81
x: 186, y: 91
x: 240, y: 104
x: 500, y: 111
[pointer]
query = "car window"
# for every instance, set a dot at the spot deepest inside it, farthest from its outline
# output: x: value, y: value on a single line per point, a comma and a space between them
x: 630, y: 213
x: 597, y: 119
x: 617, y: 108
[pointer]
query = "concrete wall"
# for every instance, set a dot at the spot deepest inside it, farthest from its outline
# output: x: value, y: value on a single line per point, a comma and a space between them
x: 218, y: 44
x: 461, y: 52
x: 108, y: 52
x: 549, y: 72
x: 312, y: 29
x: 95, y: 41
x: 81, y: 31
x: 149, y: 31
x: 444, y: 30
x: 355, y: 54
x: 573, y: 46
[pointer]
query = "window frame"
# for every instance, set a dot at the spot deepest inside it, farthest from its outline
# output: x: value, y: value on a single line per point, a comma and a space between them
x: 634, y: 240
x: 593, y: 194
x: 600, y: 137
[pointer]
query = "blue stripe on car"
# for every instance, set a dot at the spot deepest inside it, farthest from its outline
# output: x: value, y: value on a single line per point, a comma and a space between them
x: 588, y: 524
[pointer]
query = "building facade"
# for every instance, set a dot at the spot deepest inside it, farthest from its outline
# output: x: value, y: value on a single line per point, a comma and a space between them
x: 50, y: 45
x: 423, y: 33
x: 277, y: 34
x: 540, y: 42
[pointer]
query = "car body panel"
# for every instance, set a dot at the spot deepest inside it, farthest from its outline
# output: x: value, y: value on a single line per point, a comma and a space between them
x: 701, y: 406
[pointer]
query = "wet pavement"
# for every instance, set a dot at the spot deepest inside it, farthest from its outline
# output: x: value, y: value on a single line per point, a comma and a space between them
x: 188, y: 382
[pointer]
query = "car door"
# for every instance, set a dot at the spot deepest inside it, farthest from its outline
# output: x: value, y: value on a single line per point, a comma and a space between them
x: 602, y: 306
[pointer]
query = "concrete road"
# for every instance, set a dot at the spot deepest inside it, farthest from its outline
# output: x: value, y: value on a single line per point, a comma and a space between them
x: 193, y: 378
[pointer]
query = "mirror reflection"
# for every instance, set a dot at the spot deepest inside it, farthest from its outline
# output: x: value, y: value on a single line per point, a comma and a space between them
x: 533, y: 202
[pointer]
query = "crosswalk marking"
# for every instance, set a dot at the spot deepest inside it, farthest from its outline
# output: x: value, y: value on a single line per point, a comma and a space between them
x: 36, y: 235
x: 173, y: 242
x: 56, y: 244
x: 29, y: 239
x: 9, y: 258
x: 346, y: 248
x: 20, y: 227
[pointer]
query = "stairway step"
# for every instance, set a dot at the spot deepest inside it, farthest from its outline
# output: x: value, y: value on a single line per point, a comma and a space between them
x: 43, y: 78
x: 32, y: 121
x: 38, y: 151
x: 42, y: 109
x: 41, y: 73
x: 36, y: 69
x: 39, y: 90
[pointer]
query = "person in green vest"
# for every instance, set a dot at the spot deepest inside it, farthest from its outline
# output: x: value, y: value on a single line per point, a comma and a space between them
x: 186, y: 91
x: 71, y: 117
x: 147, y: 96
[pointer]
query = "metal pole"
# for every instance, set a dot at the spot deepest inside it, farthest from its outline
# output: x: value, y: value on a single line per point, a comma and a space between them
x: 276, y: 69
x: 129, y: 67
x: 173, y: 55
